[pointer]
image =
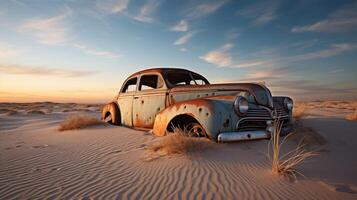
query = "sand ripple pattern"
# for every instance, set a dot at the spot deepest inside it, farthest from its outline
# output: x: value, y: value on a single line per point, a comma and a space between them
x: 109, y: 164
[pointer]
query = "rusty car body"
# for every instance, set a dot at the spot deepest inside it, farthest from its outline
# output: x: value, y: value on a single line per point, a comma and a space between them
x: 163, y: 98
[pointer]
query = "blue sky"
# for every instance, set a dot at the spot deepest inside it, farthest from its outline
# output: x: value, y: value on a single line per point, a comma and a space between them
x: 83, y: 50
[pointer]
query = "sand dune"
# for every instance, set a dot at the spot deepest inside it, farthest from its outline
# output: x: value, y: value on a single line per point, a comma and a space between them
x: 110, y: 162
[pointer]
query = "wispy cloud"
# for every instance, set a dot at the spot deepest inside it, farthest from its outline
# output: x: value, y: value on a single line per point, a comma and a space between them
x: 183, y: 49
x: 113, y: 6
x: 50, y: 30
x: 336, y: 71
x: 184, y: 39
x: 220, y: 57
x: 232, y: 34
x: 18, y: 2
x: 106, y: 54
x: 261, y: 12
x: 332, y: 50
x: 7, y: 50
x: 42, y: 71
x: 182, y: 26
x: 146, y: 11
x: 343, y: 20
x: 204, y: 9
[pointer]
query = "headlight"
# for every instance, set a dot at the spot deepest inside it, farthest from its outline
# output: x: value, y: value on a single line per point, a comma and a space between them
x: 288, y: 103
x: 240, y: 105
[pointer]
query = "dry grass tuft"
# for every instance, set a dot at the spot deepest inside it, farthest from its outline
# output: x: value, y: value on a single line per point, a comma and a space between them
x: 178, y: 142
x: 79, y: 122
x: 285, y: 164
x: 299, y: 111
x: 352, y: 116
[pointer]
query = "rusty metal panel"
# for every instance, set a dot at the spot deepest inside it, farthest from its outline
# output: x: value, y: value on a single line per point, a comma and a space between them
x: 213, y: 115
x: 125, y: 102
x: 146, y: 105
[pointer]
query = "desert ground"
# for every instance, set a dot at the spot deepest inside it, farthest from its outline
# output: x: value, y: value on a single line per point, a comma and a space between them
x: 38, y: 161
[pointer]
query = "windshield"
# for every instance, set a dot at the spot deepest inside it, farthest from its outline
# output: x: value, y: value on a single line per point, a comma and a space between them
x: 185, y: 78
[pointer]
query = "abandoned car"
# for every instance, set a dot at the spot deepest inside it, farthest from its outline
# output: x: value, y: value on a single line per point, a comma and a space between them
x: 164, y: 98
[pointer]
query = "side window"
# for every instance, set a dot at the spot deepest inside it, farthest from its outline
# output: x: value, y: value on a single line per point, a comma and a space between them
x: 150, y: 82
x: 130, y: 85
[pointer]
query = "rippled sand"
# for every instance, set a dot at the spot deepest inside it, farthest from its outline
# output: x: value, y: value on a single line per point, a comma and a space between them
x: 111, y: 162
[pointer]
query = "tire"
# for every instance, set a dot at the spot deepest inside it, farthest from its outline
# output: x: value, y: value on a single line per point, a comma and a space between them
x: 195, y: 129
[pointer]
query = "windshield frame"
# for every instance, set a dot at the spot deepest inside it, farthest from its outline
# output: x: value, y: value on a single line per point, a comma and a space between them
x: 191, y: 75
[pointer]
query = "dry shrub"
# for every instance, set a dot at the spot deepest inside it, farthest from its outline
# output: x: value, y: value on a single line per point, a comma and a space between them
x: 79, y: 122
x: 352, y: 116
x: 285, y: 164
x: 178, y: 142
x: 299, y: 111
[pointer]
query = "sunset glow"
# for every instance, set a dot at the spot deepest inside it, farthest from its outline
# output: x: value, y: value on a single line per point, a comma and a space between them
x: 75, y: 51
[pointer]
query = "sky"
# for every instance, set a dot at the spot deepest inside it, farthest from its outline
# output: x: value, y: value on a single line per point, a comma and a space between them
x: 82, y: 51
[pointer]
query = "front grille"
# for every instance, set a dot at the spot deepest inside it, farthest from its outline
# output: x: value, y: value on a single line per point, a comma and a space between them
x: 256, y: 118
x: 258, y: 113
x: 250, y: 125
x: 264, y: 113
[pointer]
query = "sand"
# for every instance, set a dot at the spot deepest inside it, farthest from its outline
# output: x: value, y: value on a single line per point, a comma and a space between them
x: 111, y: 162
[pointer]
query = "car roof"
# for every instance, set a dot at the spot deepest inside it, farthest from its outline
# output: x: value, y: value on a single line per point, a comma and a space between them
x: 160, y: 70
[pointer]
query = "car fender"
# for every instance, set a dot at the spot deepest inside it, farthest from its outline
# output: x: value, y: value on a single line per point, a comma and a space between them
x: 213, y: 115
x: 114, y: 111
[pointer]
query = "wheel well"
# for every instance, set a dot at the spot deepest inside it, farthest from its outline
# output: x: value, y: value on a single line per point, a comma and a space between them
x: 180, y: 121
x: 106, y: 114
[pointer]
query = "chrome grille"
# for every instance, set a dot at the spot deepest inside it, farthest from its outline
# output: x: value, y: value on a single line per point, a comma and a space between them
x: 258, y: 113
x: 256, y: 118
x: 265, y: 113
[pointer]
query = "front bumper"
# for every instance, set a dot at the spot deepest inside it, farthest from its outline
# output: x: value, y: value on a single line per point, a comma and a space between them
x: 249, y: 135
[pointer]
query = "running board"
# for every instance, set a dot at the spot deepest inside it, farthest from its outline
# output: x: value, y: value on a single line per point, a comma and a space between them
x: 244, y: 135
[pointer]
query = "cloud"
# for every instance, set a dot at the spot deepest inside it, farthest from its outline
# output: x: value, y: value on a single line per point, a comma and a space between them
x: 183, y: 49
x: 106, y: 54
x: 184, y: 39
x: 20, y: 3
x: 261, y: 12
x: 219, y: 57
x: 182, y: 26
x: 332, y: 50
x: 48, y: 30
x: 343, y: 20
x: 113, y: 6
x: 42, y: 71
x: 7, y: 50
x: 204, y: 9
x: 146, y: 11
x: 336, y: 71
x: 232, y: 34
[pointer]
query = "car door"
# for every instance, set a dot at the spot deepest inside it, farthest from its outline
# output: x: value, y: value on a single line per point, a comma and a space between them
x: 148, y: 100
x: 125, y: 101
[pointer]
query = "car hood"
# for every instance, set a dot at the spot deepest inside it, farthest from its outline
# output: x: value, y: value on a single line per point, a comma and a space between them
x: 261, y: 93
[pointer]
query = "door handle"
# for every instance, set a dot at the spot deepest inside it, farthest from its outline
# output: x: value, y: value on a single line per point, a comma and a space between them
x: 136, y: 97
